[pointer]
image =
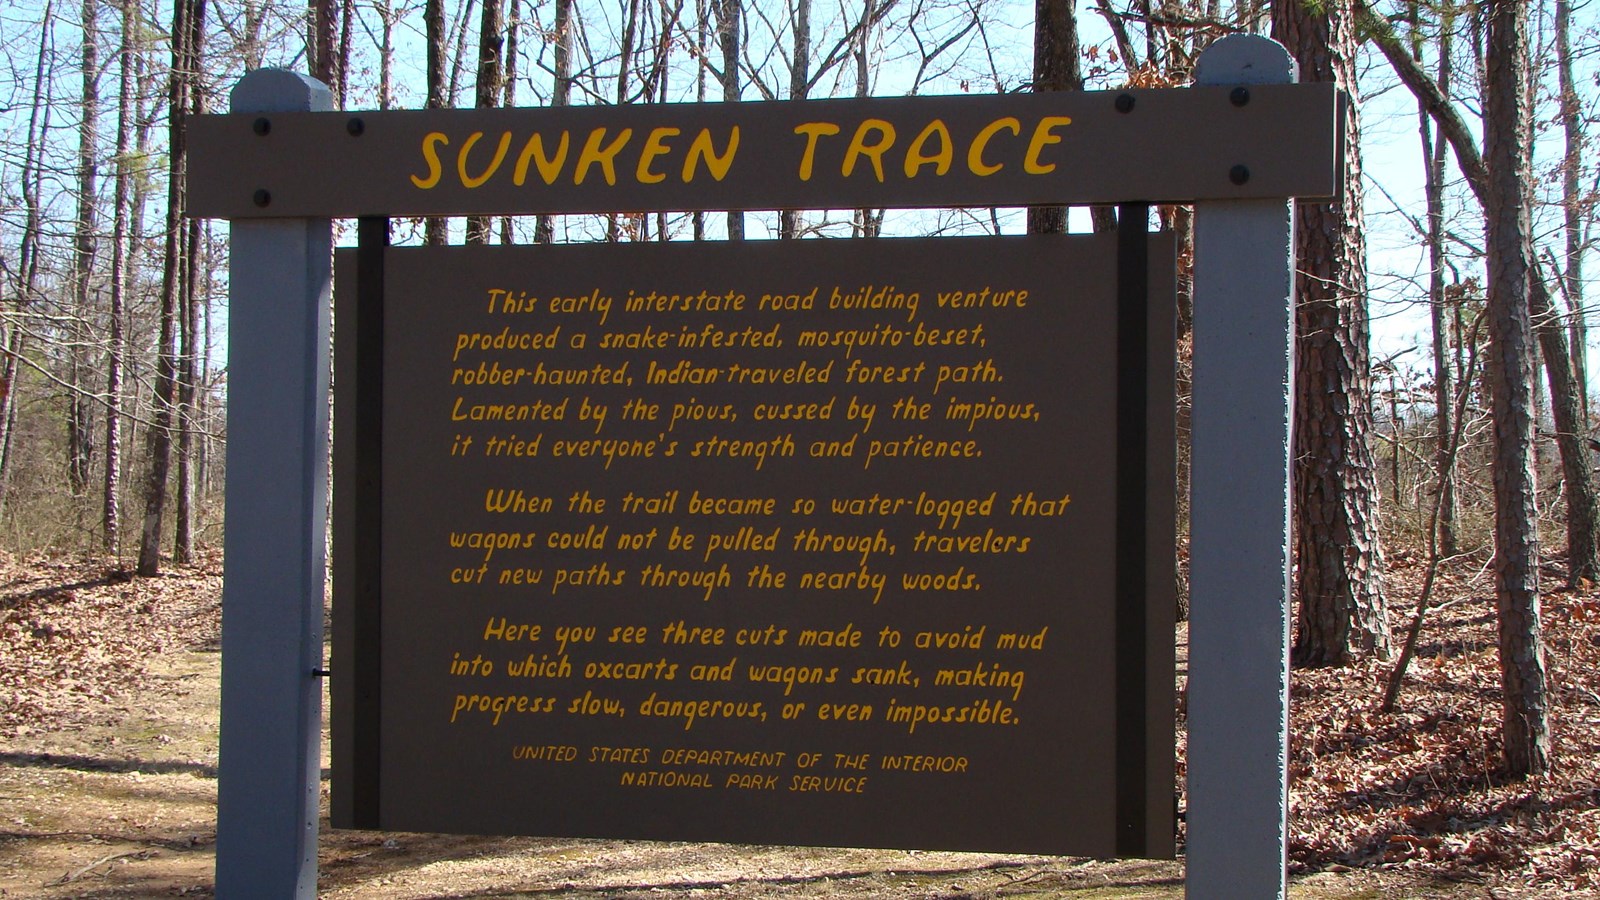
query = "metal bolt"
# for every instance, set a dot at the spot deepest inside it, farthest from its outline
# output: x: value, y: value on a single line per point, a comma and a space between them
x: 262, y: 126
x: 1240, y: 96
x: 263, y: 197
x: 1125, y: 103
x: 355, y: 126
x: 1239, y: 174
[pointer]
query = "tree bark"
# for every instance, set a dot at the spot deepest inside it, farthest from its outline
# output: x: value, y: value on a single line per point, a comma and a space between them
x: 509, y: 94
x: 1339, y: 567
x: 867, y: 222
x: 560, y: 95
x: 1572, y: 201
x: 27, y: 269
x: 799, y: 89
x: 80, y: 420
x: 1433, y: 151
x: 1056, y: 67
x: 436, y: 230
x: 729, y: 33
x: 1507, y: 128
x: 187, y: 26
x: 111, y: 514
x: 491, y: 82
x: 1566, y: 409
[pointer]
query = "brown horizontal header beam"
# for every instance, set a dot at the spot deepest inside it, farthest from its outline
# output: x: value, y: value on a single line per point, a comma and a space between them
x: 1162, y: 145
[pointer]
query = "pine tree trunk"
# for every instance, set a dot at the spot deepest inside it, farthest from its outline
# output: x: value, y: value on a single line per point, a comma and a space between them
x: 1507, y: 129
x: 1339, y: 563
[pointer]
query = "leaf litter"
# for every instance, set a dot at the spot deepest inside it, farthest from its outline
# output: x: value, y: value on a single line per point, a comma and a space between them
x: 1412, y: 803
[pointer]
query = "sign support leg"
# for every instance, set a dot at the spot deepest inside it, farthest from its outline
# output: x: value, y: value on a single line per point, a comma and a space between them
x: 270, y: 757
x: 1239, y: 522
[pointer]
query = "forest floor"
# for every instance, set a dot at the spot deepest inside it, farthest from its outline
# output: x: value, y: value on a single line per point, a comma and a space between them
x: 108, y: 764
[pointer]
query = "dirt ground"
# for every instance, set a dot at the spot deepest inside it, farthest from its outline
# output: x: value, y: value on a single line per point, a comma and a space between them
x: 108, y: 754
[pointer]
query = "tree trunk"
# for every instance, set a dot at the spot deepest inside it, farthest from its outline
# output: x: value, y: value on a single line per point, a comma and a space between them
x: 868, y: 222
x: 324, y: 31
x: 702, y: 40
x: 111, y: 514
x: 491, y: 48
x: 80, y: 420
x: 347, y: 14
x: 458, y: 58
x: 1572, y: 202
x: 1055, y: 68
x: 187, y: 26
x: 1566, y: 409
x: 436, y: 230
x: 189, y: 375
x: 1433, y: 149
x: 513, y: 27
x: 1507, y: 129
x: 729, y: 34
x: 799, y: 89
x: 1339, y: 562
x: 560, y: 95
x: 27, y: 268
x: 387, y: 17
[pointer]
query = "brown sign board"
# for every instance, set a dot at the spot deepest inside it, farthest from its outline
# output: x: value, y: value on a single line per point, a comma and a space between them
x: 795, y: 542
x: 1172, y: 145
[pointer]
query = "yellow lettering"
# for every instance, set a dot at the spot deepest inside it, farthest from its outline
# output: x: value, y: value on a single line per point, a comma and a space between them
x: 981, y: 142
x: 605, y: 156
x: 702, y: 149
x: 940, y: 158
x: 653, y: 147
x: 859, y: 147
x: 499, y: 157
x: 549, y: 167
x: 812, y: 131
x: 1042, y: 138
x: 431, y: 157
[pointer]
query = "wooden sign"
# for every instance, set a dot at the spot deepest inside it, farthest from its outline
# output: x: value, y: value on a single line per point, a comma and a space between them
x: 1015, y: 149
x: 820, y: 542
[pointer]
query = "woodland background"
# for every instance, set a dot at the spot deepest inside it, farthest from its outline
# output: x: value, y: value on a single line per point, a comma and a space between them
x: 1468, y: 213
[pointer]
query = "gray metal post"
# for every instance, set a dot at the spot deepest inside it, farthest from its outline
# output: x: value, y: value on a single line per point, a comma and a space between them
x: 1239, y: 551
x: 270, y: 766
